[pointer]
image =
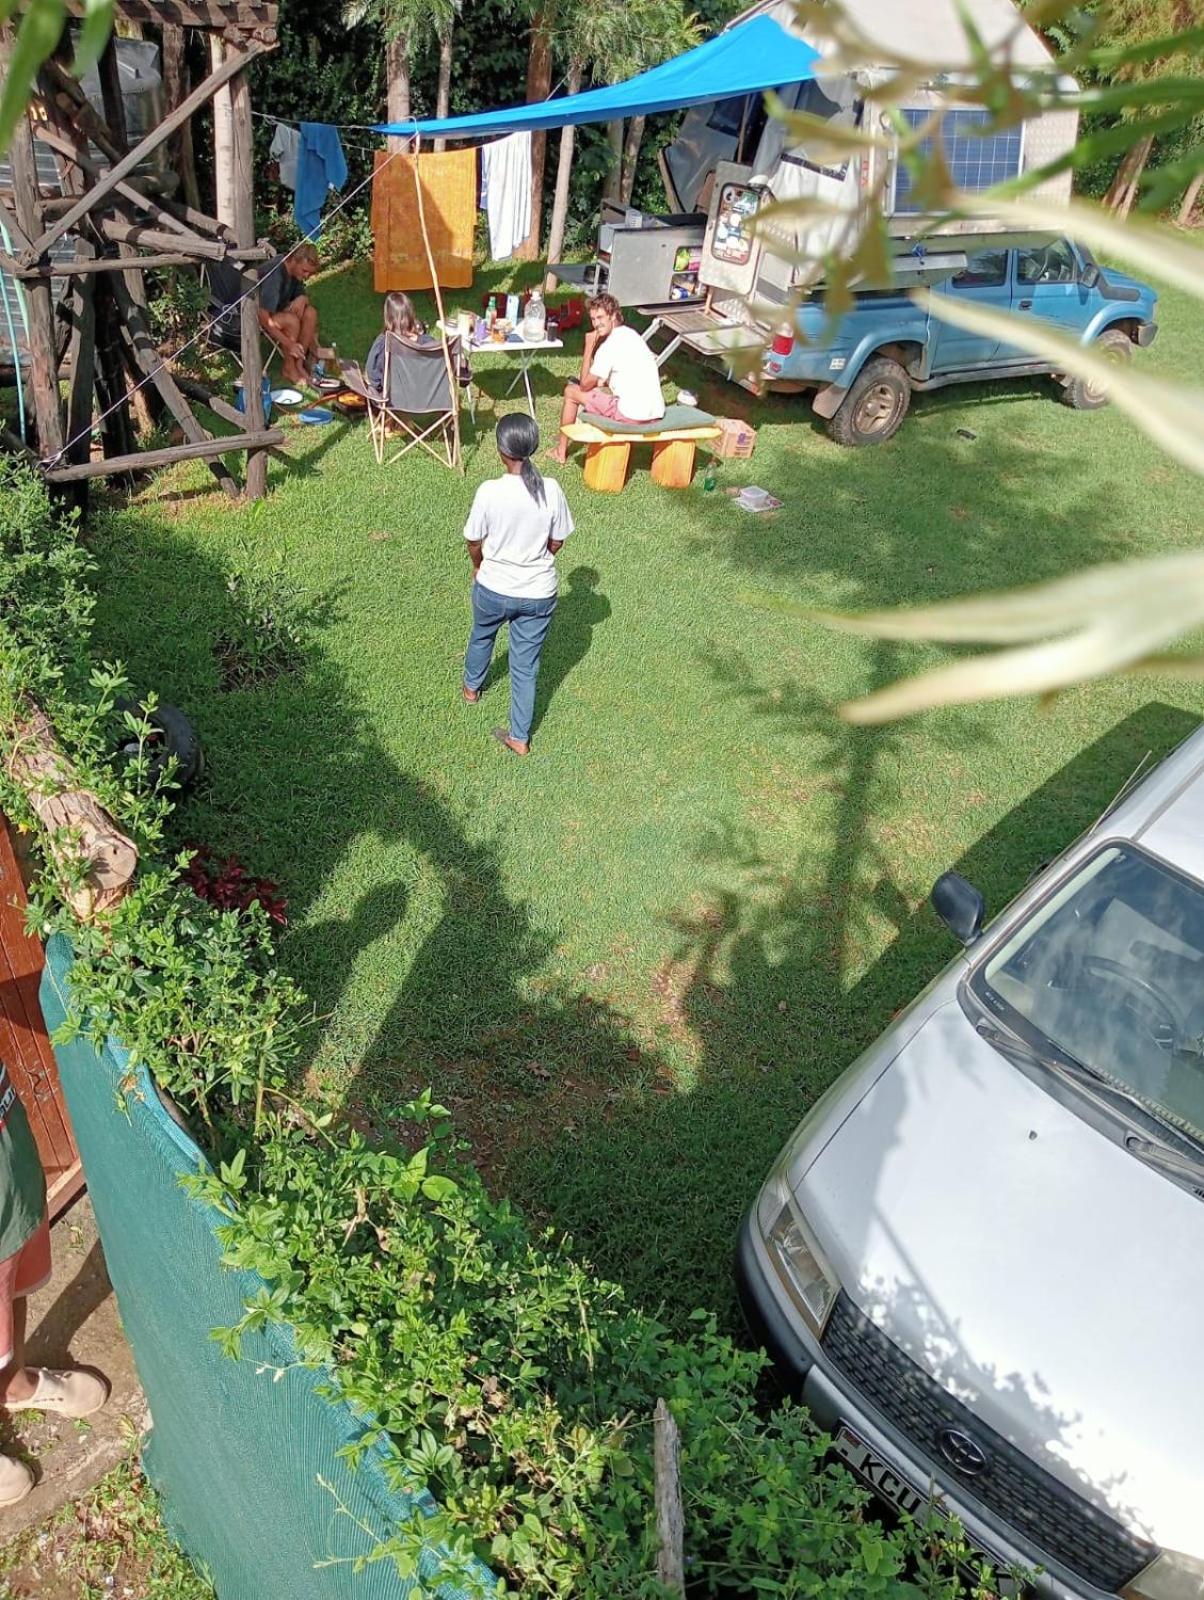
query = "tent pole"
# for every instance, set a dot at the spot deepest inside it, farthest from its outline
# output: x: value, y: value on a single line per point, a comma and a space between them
x: 452, y: 376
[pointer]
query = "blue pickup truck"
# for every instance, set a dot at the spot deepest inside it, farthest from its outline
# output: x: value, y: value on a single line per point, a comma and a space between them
x: 866, y: 366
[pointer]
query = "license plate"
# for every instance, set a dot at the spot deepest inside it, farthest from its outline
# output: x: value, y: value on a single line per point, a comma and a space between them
x: 882, y: 1478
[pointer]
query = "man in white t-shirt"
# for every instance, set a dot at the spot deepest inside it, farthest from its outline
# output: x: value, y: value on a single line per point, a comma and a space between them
x: 619, y: 379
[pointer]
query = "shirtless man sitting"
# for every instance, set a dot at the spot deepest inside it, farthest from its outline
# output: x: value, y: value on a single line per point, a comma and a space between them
x: 619, y: 376
x: 287, y: 315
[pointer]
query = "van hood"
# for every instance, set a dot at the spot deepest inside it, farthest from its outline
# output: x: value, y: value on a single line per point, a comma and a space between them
x: 1037, y: 1270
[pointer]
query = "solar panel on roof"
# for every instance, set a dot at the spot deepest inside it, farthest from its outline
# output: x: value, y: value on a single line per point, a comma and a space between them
x: 976, y: 159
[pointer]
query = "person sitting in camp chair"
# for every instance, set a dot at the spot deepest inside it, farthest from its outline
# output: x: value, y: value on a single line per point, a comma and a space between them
x: 288, y: 316
x: 619, y: 377
x: 401, y: 320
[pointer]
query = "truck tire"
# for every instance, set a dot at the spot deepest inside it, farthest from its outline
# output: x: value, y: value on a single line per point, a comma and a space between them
x: 875, y: 405
x: 1084, y: 394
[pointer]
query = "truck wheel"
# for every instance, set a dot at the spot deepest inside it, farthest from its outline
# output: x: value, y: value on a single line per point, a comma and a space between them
x: 875, y: 405
x: 1085, y: 394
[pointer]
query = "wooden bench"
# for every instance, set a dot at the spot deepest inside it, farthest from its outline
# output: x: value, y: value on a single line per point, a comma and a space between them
x: 608, y: 455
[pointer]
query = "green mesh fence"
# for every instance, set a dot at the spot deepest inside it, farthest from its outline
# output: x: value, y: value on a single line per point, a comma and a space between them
x: 235, y: 1450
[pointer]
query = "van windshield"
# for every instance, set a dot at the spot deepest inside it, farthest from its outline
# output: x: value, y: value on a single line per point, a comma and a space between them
x: 1110, y: 970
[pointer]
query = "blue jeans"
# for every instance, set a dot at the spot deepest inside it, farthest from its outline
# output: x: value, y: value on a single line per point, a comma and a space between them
x: 529, y: 621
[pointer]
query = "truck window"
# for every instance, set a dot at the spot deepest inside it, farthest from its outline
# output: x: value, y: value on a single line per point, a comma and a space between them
x: 988, y: 269
x: 1047, y: 263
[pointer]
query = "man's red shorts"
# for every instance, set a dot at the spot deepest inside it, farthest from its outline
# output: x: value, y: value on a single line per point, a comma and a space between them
x: 603, y: 404
x: 20, y: 1275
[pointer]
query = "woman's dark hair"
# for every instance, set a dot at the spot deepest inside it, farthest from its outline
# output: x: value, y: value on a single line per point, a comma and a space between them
x: 399, y: 316
x: 518, y: 439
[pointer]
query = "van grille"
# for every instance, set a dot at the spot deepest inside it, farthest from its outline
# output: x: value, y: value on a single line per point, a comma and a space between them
x: 1012, y: 1488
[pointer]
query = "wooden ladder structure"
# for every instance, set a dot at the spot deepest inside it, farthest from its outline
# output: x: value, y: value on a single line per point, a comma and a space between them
x: 124, y: 224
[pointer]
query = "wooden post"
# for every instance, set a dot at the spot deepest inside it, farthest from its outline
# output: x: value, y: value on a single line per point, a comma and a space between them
x: 673, y: 463
x: 243, y: 198
x: 606, y: 465
x: 43, y: 369
x: 175, y: 88
x: 223, y: 139
x: 110, y: 93
x: 670, y: 1520
x: 82, y: 357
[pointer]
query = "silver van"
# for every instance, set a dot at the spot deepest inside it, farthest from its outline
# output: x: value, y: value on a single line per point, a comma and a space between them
x: 980, y: 1258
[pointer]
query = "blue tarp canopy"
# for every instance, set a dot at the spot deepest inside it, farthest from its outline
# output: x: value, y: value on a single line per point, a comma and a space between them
x: 748, y: 59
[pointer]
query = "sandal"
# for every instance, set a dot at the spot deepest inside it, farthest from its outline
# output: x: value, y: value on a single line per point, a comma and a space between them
x: 16, y: 1481
x: 74, y: 1393
x: 502, y: 735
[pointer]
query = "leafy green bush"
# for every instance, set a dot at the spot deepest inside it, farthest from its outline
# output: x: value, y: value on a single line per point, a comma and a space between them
x: 500, y: 1371
x: 262, y: 629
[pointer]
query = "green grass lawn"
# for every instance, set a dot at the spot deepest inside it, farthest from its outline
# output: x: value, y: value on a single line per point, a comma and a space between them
x: 631, y: 962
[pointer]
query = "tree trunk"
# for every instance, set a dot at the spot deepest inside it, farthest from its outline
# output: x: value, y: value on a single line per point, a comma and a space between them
x: 443, y: 92
x: 539, y: 87
x: 564, y: 173
x: 631, y: 156
x: 79, y: 832
x: 397, y: 72
x: 223, y: 139
x: 1190, y: 198
x: 1124, y: 188
x: 175, y: 89
x: 613, y: 187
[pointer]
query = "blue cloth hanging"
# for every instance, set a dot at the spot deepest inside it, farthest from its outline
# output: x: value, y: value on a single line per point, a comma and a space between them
x: 321, y: 165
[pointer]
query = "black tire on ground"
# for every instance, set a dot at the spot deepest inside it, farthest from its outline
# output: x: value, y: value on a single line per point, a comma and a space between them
x: 875, y: 405
x: 175, y: 738
x: 1084, y: 394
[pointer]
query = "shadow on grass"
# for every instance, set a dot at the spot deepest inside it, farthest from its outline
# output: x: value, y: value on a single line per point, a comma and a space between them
x: 567, y: 1103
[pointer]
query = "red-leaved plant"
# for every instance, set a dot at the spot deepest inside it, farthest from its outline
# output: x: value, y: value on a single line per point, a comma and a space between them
x: 229, y: 886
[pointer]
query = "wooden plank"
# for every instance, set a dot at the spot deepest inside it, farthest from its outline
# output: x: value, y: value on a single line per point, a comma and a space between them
x: 586, y: 433
x: 43, y: 370
x: 257, y: 16
x: 243, y: 196
x: 23, y: 1041
x: 167, y: 457
x: 206, y: 249
x: 236, y: 61
x: 220, y: 408
x: 89, y: 266
x: 154, y: 367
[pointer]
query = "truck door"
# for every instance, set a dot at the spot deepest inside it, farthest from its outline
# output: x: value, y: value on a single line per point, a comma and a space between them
x: 984, y: 282
x: 1046, y: 285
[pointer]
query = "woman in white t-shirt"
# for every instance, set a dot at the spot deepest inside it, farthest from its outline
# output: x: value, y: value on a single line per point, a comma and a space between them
x: 517, y: 524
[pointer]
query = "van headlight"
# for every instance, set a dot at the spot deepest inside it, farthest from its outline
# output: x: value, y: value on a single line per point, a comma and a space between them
x: 1171, y: 1577
x: 795, y: 1256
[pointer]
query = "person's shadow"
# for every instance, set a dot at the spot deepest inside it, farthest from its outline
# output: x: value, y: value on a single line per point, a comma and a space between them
x: 579, y: 611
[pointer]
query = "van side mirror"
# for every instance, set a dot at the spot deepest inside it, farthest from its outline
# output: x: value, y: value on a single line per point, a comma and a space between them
x: 1090, y: 275
x: 959, y: 905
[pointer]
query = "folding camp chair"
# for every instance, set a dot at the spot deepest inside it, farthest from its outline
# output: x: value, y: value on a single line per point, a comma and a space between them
x: 416, y: 398
x: 224, y: 314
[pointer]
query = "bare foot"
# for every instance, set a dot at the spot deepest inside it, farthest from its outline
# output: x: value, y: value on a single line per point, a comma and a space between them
x: 560, y: 457
x: 471, y: 695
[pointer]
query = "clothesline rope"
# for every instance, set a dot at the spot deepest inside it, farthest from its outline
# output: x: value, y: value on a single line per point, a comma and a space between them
x: 52, y: 461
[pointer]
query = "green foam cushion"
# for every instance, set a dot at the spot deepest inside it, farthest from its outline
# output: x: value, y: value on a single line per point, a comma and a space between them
x: 674, y: 417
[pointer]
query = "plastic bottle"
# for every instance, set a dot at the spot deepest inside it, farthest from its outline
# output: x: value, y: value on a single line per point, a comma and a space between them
x: 711, y: 476
x: 491, y: 313
x: 535, y: 323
